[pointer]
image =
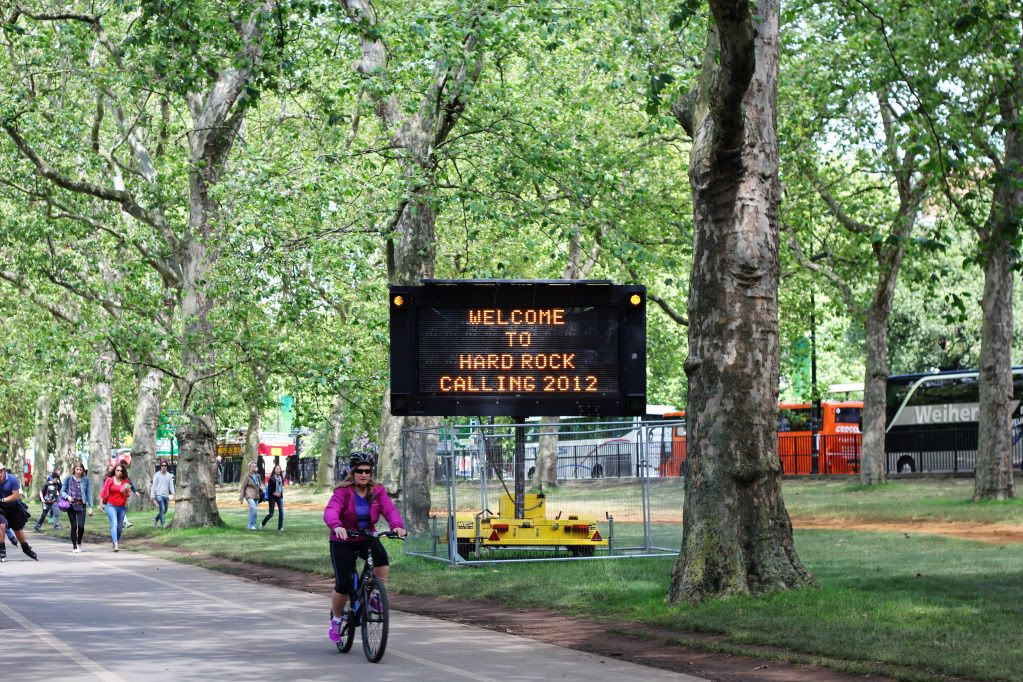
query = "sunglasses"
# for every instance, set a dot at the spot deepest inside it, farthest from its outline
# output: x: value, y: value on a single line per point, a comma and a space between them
x: 363, y: 471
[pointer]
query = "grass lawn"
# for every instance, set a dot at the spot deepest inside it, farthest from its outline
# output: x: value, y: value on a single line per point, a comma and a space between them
x: 934, y: 605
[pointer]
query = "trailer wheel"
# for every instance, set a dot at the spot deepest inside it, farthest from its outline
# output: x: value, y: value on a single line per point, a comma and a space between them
x: 580, y: 550
x: 464, y: 548
x: 597, y: 471
x: 905, y: 465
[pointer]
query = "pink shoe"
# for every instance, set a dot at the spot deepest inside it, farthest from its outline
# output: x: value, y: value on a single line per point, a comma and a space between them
x: 334, y: 631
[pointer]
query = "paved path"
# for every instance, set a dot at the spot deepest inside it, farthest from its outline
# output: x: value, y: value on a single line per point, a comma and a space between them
x: 127, y: 616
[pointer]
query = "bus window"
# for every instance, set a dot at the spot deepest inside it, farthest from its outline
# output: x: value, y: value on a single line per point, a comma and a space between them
x: 794, y: 419
x: 940, y: 392
x: 848, y: 415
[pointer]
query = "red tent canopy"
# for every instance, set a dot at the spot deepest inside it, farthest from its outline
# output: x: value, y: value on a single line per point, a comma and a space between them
x: 277, y: 449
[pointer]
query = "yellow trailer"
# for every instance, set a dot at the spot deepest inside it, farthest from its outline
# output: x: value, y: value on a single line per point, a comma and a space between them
x: 577, y: 534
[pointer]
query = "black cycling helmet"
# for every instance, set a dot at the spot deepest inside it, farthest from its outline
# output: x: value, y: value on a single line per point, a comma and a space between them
x: 358, y: 458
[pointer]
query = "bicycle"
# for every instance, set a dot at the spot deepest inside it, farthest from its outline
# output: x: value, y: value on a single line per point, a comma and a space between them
x: 367, y: 607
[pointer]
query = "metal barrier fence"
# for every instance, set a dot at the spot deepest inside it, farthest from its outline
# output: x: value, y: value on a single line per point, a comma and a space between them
x: 461, y: 505
x: 308, y: 468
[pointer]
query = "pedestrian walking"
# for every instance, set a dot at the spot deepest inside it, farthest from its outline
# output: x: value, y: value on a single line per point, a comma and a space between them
x: 13, y: 513
x: 77, y: 495
x: 275, y: 496
x: 251, y: 492
x: 113, y: 500
x: 134, y: 491
x: 48, y: 495
x: 163, y: 492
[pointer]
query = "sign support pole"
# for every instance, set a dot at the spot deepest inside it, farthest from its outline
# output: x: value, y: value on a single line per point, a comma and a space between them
x: 520, y: 467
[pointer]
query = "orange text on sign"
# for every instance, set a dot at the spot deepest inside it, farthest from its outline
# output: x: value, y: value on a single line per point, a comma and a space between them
x: 508, y: 361
x: 498, y: 317
x: 518, y: 384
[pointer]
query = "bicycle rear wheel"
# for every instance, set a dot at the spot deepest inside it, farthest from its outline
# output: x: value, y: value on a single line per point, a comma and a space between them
x: 375, y: 615
x: 348, y: 630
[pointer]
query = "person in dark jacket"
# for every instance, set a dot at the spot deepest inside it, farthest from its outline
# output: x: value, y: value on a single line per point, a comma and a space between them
x: 275, y: 496
x: 13, y: 513
x: 49, y: 495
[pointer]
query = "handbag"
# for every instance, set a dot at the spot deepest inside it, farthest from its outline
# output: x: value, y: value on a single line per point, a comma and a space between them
x: 63, y: 504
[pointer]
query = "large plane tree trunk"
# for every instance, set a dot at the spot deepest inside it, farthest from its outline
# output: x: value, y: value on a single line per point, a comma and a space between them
x: 143, y: 446
x: 993, y: 479
x: 251, y: 451
x: 40, y: 443
x: 417, y: 136
x: 325, y: 470
x: 217, y: 118
x: 737, y: 536
x: 875, y: 381
x: 67, y: 432
x: 101, y: 414
x: 546, y: 473
x: 999, y: 238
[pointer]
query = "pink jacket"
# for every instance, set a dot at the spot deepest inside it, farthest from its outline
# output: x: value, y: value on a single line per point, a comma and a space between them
x: 340, y: 511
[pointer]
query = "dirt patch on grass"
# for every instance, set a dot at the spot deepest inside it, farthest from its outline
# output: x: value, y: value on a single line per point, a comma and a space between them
x: 983, y: 532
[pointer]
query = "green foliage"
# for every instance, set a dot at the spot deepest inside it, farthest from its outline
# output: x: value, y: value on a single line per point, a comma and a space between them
x: 565, y: 139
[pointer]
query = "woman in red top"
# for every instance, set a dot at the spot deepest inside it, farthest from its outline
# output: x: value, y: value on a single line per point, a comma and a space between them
x: 116, y: 491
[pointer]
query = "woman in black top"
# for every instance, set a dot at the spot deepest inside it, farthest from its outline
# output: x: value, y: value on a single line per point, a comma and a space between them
x: 275, y: 496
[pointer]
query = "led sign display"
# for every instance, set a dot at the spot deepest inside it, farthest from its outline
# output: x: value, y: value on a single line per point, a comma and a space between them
x: 515, y: 348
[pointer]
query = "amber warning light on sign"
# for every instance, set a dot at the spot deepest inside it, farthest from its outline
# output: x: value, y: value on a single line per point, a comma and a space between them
x: 518, y: 349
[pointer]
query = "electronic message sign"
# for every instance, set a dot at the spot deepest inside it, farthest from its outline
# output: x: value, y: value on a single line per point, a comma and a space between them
x: 518, y: 348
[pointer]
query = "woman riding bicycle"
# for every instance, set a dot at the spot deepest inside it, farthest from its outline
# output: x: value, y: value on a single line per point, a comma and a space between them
x: 357, y: 504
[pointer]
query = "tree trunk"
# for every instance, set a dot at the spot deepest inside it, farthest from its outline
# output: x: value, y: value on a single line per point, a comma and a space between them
x: 40, y: 444
x: 875, y: 379
x: 418, y: 137
x: 415, y: 255
x: 737, y: 536
x: 195, y: 501
x: 251, y: 452
x: 999, y: 241
x: 993, y: 480
x: 325, y: 471
x: 546, y: 473
x: 67, y: 433
x: 419, y: 457
x: 389, y: 470
x: 101, y: 414
x: 143, y: 445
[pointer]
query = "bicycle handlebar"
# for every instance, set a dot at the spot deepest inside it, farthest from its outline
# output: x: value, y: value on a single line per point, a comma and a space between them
x: 352, y: 533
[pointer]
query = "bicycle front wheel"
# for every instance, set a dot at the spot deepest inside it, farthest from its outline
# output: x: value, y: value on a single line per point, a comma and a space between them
x: 375, y: 614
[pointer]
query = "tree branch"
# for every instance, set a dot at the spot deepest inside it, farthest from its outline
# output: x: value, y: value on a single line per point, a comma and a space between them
x: 121, y: 197
x: 59, y: 313
x: 731, y: 80
x: 813, y: 265
x: 834, y: 207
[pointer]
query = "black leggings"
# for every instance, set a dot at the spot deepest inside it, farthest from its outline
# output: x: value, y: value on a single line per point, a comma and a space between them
x: 76, y: 517
x: 342, y: 558
x: 279, y: 503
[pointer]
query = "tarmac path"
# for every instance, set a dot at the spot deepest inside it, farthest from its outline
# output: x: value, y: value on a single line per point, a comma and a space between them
x: 128, y: 616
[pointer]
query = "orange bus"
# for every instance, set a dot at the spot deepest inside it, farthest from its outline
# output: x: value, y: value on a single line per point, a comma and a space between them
x: 838, y: 440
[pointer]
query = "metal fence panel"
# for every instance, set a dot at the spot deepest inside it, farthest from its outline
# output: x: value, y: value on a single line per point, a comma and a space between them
x: 608, y: 483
